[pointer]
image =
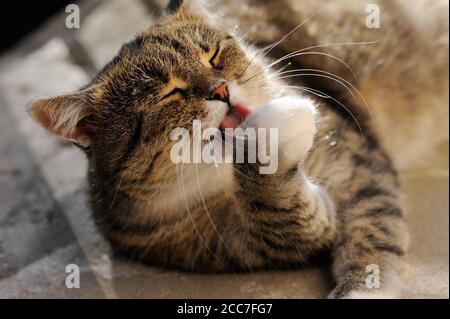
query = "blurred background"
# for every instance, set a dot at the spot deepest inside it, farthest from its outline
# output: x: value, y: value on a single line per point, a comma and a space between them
x: 44, y: 222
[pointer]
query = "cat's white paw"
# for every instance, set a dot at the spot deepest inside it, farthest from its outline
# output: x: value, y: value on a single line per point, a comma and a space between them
x: 294, y: 119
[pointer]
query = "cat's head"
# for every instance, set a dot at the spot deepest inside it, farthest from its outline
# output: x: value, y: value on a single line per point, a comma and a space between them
x: 181, y: 69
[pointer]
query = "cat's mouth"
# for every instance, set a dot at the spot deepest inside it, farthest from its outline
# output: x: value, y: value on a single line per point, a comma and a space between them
x: 235, y: 116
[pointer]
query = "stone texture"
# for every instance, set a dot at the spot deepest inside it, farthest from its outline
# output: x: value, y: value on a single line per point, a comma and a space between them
x: 36, y: 239
x: 46, y: 277
x: 47, y: 71
x: 112, y: 24
x: 63, y: 167
x: 31, y: 224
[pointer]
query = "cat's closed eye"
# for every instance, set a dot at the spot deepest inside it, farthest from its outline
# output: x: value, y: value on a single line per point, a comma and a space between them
x: 174, y: 92
x: 213, y: 61
x: 175, y: 89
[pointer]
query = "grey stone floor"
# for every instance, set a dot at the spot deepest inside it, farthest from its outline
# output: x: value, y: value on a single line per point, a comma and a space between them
x: 44, y: 222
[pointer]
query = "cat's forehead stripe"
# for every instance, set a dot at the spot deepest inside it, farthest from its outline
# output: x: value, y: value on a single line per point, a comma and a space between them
x: 169, y: 42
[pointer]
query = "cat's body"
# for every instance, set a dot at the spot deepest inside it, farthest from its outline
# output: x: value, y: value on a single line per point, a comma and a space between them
x: 339, y: 195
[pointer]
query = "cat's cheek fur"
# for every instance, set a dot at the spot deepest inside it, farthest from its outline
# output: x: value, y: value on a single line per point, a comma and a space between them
x: 294, y: 117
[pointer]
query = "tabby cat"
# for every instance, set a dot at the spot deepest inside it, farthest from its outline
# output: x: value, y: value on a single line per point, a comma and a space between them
x: 347, y: 101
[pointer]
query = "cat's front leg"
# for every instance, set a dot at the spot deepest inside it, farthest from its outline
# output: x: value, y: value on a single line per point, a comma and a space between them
x: 288, y: 218
x: 368, y: 255
x: 372, y: 238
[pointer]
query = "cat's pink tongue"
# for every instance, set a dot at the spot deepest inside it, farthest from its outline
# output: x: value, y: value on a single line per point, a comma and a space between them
x: 235, y: 116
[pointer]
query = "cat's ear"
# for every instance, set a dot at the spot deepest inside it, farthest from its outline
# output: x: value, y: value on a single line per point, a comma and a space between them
x: 66, y: 116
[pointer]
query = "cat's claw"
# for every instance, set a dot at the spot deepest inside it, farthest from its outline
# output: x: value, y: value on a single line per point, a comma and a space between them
x: 294, y: 117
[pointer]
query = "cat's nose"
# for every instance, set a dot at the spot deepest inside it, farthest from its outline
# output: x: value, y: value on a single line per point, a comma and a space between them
x: 220, y: 92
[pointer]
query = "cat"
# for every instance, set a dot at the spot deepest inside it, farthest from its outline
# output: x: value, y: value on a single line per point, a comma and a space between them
x: 336, y: 189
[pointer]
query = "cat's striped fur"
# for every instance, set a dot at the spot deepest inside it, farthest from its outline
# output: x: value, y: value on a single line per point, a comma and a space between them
x: 342, y: 196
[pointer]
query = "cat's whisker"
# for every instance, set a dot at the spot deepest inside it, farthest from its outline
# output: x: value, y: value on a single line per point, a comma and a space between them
x: 294, y: 71
x: 143, y: 73
x: 224, y: 142
x: 206, y: 208
x: 292, y: 54
x: 115, y: 194
x: 271, y: 47
x: 320, y: 95
x: 289, y: 56
x: 261, y: 79
x: 343, y: 80
x: 317, y: 75
x: 339, y: 79
x: 340, y: 43
x: 286, y: 36
x: 319, y: 46
x: 281, y: 70
x: 250, y: 62
x: 242, y: 38
x: 186, y: 203
x: 327, y: 96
